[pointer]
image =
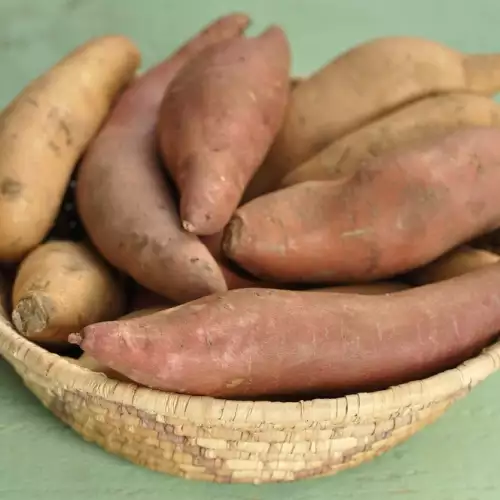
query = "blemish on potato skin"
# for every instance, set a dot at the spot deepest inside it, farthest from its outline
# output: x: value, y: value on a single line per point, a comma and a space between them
x: 10, y: 188
x: 54, y: 147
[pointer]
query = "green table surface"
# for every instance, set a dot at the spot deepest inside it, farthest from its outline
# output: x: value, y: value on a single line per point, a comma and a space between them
x: 454, y: 459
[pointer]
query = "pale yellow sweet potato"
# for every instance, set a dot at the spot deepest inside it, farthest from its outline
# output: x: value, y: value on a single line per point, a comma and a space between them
x: 44, y: 131
x: 61, y: 286
x: 424, y: 119
x: 363, y: 84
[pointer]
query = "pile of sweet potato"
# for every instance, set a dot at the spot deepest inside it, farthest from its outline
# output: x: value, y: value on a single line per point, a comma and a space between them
x: 216, y: 226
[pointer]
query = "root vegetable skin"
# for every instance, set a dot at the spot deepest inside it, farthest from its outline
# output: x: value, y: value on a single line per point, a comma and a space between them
x: 44, y: 131
x: 455, y: 263
x: 399, y: 212
x: 60, y: 288
x: 217, y: 122
x: 124, y: 200
x: 377, y: 288
x: 363, y: 84
x: 425, y: 119
x: 260, y: 342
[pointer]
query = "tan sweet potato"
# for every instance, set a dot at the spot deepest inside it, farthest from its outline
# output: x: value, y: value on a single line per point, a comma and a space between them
x: 399, y: 212
x: 455, y: 263
x: 44, y: 131
x: 217, y: 121
x: 361, y: 85
x: 126, y: 204
x: 62, y: 286
x: 424, y: 119
x: 257, y: 342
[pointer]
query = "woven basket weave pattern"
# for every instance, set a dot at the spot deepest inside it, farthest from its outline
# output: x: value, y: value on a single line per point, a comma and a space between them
x: 234, y: 441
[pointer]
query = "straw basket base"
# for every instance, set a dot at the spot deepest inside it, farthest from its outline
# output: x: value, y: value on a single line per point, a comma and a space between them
x: 235, y: 441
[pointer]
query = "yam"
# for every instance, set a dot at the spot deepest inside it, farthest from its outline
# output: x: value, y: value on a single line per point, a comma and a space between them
x: 217, y: 121
x: 257, y: 342
x: 60, y: 287
x: 362, y: 84
x: 425, y: 119
x: 401, y: 211
x: 128, y: 206
x: 46, y: 128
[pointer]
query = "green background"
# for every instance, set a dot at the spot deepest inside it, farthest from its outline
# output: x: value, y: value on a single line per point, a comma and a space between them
x: 455, y: 459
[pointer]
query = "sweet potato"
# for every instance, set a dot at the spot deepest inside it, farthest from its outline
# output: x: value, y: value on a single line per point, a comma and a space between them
x: 455, y: 263
x: 92, y: 364
x: 399, y: 212
x: 62, y: 286
x: 363, y: 84
x: 257, y: 342
x: 44, y: 131
x: 427, y: 118
x: 217, y: 121
x: 126, y: 204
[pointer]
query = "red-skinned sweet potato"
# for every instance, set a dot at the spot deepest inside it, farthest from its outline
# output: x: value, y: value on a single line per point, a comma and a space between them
x: 398, y: 212
x: 217, y: 121
x: 257, y: 342
x: 124, y: 200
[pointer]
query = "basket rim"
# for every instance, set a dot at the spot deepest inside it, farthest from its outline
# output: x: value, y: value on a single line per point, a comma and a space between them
x: 33, y: 361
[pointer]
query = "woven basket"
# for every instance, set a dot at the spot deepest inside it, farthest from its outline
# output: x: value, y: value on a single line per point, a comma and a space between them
x: 234, y: 441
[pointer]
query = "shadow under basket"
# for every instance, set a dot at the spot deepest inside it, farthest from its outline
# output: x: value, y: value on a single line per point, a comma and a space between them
x: 234, y: 441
